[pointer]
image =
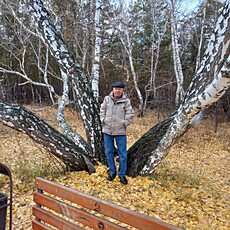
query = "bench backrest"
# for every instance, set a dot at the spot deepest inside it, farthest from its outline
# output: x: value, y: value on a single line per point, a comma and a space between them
x: 65, y: 208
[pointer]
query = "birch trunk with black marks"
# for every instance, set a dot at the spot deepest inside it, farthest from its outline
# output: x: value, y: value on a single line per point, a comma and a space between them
x: 97, y: 52
x: 21, y: 119
x: 128, y: 49
x: 126, y: 42
x: 209, y: 83
x: 87, y: 105
x: 176, y: 56
x: 201, y: 40
x: 158, y: 35
x: 60, y: 117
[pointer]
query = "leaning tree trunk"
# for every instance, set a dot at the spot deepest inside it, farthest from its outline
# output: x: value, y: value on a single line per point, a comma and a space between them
x: 209, y: 83
x: 21, y: 119
x: 87, y: 105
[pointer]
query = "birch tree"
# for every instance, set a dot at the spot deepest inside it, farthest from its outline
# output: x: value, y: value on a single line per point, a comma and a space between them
x: 201, y: 40
x: 21, y: 37
x: 158, y: 32
x: 209, y: 83
x: 81, y: 84
x: 176, y: 55
x: 97, y: 53
x: 81, y: 45
x: 126, y: 42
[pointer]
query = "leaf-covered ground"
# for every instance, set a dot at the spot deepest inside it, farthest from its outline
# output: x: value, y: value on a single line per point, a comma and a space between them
x: 190, y: 188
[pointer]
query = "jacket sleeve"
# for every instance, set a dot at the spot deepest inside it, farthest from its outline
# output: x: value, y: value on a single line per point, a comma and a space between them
x: 129, y: 113
x: 103, y: 110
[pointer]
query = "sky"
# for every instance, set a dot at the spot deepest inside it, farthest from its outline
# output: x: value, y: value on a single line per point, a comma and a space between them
x: 188, y: 6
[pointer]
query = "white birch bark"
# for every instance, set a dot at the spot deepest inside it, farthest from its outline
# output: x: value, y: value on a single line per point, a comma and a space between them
x: 97, y: 52
x: 201, y: 40
x: 209, y: 83
x: 176, y: 55
x: 67, y: 130
x: 80, y: 11
x: 155, y: 52
x: 151, y: 87
x: 128, y: 48
x: 23, y: 120
x: 85, y: 101
x: 45, y: 74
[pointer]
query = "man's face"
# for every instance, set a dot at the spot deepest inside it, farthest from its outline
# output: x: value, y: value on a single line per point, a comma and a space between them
x: 117, y: 92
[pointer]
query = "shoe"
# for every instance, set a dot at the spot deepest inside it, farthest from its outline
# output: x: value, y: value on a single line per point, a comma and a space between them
x: 111, y: 177
x: 123, y: 180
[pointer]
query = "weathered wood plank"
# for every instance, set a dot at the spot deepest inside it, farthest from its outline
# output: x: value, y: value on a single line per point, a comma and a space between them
x: 74, y: 213
x: 37, y: 225
x: 54, y: 220
x: 116, y: 212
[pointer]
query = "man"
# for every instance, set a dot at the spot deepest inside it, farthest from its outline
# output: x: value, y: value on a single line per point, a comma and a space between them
x: 116, y: 114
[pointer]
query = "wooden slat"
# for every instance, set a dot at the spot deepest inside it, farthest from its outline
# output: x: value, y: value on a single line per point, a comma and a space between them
x: 36, y: 225
x: 121, y: 214
x: 81, y: 216
x: 53, y: 220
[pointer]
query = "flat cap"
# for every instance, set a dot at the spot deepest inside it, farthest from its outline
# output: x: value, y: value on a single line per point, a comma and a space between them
x: 118, y: 85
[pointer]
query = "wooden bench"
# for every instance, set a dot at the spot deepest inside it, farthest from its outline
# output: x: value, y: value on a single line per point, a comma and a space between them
x: 66, y: 208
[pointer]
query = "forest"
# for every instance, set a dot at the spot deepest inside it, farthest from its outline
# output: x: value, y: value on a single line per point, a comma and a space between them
x: 59, y: 60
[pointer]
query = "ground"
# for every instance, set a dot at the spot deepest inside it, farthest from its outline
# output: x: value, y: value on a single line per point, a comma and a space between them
x: 190, y: 189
